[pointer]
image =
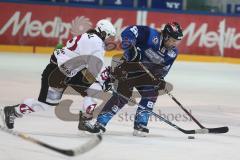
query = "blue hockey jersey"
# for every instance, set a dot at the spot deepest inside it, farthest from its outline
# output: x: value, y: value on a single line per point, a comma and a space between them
x: 149, y: 43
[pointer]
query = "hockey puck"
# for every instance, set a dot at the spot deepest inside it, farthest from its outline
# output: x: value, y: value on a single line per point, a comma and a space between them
x: 191, y: 137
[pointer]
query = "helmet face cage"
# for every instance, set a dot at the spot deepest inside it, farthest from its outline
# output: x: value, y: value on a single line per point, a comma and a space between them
x: 173, y: 30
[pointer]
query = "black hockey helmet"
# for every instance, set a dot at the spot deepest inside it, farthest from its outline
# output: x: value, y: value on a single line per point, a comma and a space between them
x: 173, y: 30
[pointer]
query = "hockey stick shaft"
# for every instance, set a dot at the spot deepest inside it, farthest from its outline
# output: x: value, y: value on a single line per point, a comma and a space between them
x: 68, y: 152
x: 185, y: 110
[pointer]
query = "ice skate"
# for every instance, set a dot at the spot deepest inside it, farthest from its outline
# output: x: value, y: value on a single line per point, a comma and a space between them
x: 84, y: 123
x: 8, y: 115
x: 140, y: 130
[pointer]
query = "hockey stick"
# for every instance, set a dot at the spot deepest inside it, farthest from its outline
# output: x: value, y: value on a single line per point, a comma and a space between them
x: 210, y: 130
x: 68, y: 152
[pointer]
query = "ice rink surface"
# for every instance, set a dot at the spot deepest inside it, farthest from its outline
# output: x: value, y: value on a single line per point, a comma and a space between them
x: 210, y: 90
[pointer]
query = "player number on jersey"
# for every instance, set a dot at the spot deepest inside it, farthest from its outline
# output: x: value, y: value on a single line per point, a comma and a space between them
x: 134, y: 30
x: 150, y: 104
x: 72, y: 44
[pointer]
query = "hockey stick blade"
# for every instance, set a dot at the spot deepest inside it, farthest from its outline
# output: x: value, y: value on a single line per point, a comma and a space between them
x: 196, y: 131
x: 218, y: 130
x: 68, y: 152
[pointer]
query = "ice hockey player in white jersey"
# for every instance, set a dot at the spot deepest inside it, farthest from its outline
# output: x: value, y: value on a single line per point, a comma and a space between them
x: 76, y: 65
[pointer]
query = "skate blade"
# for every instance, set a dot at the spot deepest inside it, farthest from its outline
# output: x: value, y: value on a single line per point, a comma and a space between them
x: 139, y: 133
x: 84, y: 133
x: 2, y: 117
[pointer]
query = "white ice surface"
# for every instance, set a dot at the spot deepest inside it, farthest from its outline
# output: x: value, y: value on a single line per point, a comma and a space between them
x: 210, y: 90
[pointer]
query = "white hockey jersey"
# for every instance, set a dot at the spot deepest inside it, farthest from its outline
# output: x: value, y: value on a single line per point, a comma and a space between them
x: 83, y: 51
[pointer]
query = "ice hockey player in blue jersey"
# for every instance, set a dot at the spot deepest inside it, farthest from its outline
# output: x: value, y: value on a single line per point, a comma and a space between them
x: 157, y: 52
